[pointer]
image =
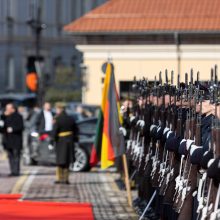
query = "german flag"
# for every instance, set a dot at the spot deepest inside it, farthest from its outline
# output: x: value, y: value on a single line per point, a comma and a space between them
x: 109, y: 141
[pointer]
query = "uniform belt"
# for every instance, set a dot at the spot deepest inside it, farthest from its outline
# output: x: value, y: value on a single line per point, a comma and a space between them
x: 65, y: 133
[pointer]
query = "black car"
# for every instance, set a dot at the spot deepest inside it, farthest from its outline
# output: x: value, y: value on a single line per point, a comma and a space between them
x: 19, y: 99
x: 39, y: 149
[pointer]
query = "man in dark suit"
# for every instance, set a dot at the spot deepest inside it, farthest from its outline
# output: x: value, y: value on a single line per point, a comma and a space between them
x: 65, y: 133
x: 12, y: 129
x: 45, y: 119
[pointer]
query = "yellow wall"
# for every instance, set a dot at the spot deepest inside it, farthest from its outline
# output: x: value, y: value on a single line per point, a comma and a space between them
x: 130, y: 62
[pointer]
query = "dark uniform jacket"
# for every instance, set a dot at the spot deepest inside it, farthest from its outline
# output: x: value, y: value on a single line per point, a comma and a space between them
x: 65, y: 133
x: 14, y: 139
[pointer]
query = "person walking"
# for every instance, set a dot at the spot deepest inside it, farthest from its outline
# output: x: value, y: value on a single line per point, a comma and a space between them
x: 12, y: 130
x: 65, y: 133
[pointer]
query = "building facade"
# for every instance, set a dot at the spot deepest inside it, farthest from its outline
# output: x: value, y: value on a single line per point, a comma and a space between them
x: 17, y: 39
x: 145, y: 37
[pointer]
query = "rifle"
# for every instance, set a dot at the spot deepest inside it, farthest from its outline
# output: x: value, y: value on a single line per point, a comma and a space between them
x: 166, y: 158
x: 174, y: 158
x: 160, y: 144
x: 154, y: 121
x: 142, y: 150
x: 179, y: 124
x: 138, y: 144
x: 202, y: 180
x: 156, y: 144
x: 214, y: 212
x: 133, y: 120
x: 171, y: 162
x: 173, y: 93
x: 215, y: 146
x: 186, y: 207
x: 193, y: 108
x: 181, y: 180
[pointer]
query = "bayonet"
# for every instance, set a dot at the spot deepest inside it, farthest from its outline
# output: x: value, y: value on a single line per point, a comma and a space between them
x: 216, y: 75
x: 197, y: 77
x: 166, y: 76
x: 178, y: 81
x: 172, y: 73
x: 186, y: 87
x: 197, y: 80
x: 191, y: 77
x: 160, y: 78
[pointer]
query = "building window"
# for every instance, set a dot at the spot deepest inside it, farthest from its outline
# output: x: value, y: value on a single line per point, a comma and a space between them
x: 57, y: 61
x: 10, y: 73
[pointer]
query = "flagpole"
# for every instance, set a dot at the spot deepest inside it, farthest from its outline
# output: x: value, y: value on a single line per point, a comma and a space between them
x: 127, y: 182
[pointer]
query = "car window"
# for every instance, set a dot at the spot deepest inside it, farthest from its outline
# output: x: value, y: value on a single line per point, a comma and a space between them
x: 87, y: 127
x: 76, y: 117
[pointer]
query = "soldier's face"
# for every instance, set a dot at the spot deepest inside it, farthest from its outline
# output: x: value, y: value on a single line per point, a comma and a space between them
x: 58, y: 111
x: 167, y: 100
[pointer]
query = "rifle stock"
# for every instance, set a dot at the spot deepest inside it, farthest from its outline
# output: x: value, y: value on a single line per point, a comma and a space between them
x: 186, y: 208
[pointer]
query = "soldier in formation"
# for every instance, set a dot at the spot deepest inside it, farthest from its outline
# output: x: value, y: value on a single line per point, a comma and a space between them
x: 174, y: 146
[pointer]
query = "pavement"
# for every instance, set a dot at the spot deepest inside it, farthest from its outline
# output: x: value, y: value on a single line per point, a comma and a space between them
x: 96, y: 187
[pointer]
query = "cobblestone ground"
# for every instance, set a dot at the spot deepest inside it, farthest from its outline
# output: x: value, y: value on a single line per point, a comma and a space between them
x: 6, y: 184
x: 98, y: 188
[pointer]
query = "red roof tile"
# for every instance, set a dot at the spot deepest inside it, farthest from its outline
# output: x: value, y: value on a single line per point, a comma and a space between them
x: 150, y: 15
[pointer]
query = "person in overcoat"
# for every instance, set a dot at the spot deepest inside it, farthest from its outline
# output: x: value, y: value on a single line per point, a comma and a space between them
x: 65, y: 134
x: 12, y: 129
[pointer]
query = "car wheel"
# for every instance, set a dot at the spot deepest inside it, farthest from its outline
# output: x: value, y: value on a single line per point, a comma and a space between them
x: 81, y: 160
x: 27, y: 161
x: 34, y: 162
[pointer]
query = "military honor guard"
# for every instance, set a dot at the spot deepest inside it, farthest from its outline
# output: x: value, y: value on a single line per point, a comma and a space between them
x: 65, y: 134
x: 174, y: 147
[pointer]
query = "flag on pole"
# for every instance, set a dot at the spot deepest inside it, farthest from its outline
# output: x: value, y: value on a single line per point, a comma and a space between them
x: 109, y: 141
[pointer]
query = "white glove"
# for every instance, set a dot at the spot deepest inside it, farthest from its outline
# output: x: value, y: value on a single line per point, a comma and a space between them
x: 9, y: 129
x: 189, y: 142
x: 168, y: 134
x: 210, y: 162
x: 132, y: 118
x: 123, y: 131
x: 140, y: 123
x: 2, y: 123
x: 165, y: 130
x: 183, y: 140
x: 193, y: 148
x: 152, y: 127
